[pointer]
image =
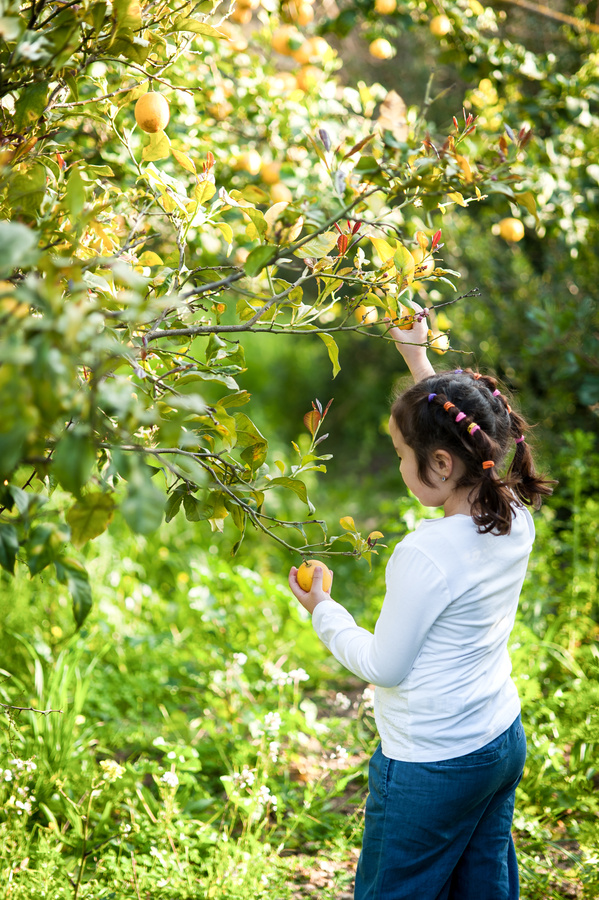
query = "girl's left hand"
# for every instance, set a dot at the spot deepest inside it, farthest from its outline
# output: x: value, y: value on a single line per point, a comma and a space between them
x: 309, y: 599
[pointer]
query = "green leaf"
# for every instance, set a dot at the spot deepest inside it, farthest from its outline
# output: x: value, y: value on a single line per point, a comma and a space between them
x: 73, y: 461
x: 90, y: 516
x: 19, y: 247
x: 173, y: 502
x: 333, y: 349
x: 71, y: 572
x: 186, y: 24
x: 26, y: 189
x: 258, y: 259
x: 319, y: 246
x: 143, y: 506
x: 75, y: 194
x: 9, y: 547
x: 30, y: 105
x: 254, y: 443
x: 528, y: 200
x: 298, y: 487
x: 44, y: 545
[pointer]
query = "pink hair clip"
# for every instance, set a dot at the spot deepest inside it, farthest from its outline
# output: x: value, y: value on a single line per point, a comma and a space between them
x: 496, y: 392
x: 519, y: 440
x: 473, y: 427
x: 460, y: 416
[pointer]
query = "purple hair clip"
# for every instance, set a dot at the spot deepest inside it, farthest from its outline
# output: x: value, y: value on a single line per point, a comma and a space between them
x: 460, y: 416
x: 430, y: 397
x: 519, y: 440
x: 458, y: 371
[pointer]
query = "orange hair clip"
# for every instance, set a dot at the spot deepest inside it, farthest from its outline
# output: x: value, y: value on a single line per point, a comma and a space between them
x: 488, y: 464
x: 448, y: 405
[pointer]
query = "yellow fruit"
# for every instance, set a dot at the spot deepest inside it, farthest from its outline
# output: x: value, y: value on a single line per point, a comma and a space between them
x: 300, y: 12
x: 366, y: 315
x: 247, y: 4
x: 405, y: 318
x: 385, y: 7
x: 305, y: 574
x: 283, y: 82
x: 439, y: 342
x: 279, y: 192
x: 381, y: 49
x: 309, y: 77
x: 315, y: 48
x: 220, y: 110
x: 304, y: 53
x: 511, y: 230
x: 270, y: 172
x: 424, y: 263
x: 286, y: 39
x: 152, y: 112
x: 242, y: 15
x: 250, y: 162
x: 440, y: 25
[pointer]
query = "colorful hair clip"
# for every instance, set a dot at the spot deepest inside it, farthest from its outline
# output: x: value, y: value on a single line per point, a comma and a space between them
x: 488, y: 464
x: 473, y: 427
x: 496, y: 392
x: 430, y: 397
x: 519, y: 440
x: 458, y: 371
x: 460, y: 416
x: 447, y: 406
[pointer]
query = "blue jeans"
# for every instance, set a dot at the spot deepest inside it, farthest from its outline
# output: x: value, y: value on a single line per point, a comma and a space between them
x: 442, y: 830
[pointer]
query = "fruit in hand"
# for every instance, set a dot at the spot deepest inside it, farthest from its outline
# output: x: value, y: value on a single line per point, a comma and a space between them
x: 152, y: 112
x: 305, y: 574
x: 511, y: 230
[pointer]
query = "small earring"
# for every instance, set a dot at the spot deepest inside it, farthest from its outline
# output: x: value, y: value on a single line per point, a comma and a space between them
x: 443, y: 478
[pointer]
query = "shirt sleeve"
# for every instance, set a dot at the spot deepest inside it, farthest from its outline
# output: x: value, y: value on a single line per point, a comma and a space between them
x: 416, y: 594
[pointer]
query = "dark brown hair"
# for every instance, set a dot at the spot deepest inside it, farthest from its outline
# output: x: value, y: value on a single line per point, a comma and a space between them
x: 463, y: 399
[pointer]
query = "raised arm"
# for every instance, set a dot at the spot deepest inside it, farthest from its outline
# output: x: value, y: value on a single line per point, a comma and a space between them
x: 411, y: 343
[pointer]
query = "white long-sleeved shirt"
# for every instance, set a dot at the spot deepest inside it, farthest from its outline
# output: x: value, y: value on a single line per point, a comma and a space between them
x: 438, y: 656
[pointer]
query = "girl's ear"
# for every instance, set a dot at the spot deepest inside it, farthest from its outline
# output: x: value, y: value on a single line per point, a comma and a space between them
x: 442, y: 463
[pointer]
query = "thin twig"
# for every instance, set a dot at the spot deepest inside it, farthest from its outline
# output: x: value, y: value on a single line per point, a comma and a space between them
x: 44, y: 712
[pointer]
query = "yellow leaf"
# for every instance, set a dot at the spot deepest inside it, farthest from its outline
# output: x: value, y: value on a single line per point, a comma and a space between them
x: 204, y: 191
x: 422, y: 240
x: 384, y: 250
x: 457, y: 198
x: 348, y: 523
x: 375, y: 535
x: 184, y: 160
x: 465, y: 167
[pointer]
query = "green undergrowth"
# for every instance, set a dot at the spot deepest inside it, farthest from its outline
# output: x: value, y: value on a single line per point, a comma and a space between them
x: 197, y: 741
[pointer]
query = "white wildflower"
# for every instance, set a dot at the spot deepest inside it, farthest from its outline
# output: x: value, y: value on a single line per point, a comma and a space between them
x: 341, y: 701
x: 368, y: 698
x: 299, y: 675
x: 171, y: 779
x: 273, y: 750
x: 159, y: 742
x: 272, y: 723
x: 240, y: 659
x: 111, y: 770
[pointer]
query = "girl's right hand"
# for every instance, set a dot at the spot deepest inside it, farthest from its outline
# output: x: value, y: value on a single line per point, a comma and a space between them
x: 411, y: 343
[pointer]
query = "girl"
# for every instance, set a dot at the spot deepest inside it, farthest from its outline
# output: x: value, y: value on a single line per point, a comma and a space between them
x: 442, y: 782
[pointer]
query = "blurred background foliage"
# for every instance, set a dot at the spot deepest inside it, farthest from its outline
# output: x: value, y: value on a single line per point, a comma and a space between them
x: 176, y: 672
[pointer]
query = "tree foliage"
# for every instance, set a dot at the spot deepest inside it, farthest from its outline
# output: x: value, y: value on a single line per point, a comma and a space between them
x: 134, y: 264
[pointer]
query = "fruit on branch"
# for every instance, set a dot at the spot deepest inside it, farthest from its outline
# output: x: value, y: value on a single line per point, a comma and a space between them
x: 152, y: 112
x: 270, y: 172
x: 286, y: 40
x: 381, y: 49
x: 309, y: 77
x: 440, y: 25
x: 366, y: 315
x: 249, y: 162
x: 305, y: 574
x: 511, y: 230
x: 385, y: 7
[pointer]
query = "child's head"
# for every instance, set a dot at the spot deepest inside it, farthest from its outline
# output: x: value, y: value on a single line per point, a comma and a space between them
x: 465, y: 414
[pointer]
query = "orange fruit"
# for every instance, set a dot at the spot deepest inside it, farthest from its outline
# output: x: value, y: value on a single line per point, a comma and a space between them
x: 305, y: 574
x: 270, y: 172
x: 152, y: 112
x: 279, y: 192
x: 381, y: 49
x: 286, y: 40
x: 250, y: 162
x: 440, y: 25
x: 511, y: 230
x: 366, y: 315
x: 385, y: 7
x: 242, y: 15
x: 309, y: 77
